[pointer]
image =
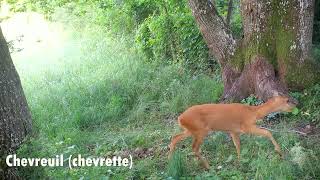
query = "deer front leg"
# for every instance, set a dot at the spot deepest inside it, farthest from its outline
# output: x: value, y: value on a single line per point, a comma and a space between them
x: 265, y: 133
x: 176, y: 139
x: 236, y: 141
x: 197, y: 141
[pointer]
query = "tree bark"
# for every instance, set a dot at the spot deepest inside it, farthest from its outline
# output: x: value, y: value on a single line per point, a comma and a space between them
x: 274, y: 54
x: 216, y: 34
x: 15, y: 117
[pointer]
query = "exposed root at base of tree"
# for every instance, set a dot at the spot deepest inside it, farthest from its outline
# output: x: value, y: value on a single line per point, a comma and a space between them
x: 257, y: 77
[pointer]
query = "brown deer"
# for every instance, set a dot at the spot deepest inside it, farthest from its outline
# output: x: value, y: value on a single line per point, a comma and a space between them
x: 197, y: 121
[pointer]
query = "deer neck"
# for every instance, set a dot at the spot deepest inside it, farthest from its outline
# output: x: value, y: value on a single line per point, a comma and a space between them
x: 265, y: 109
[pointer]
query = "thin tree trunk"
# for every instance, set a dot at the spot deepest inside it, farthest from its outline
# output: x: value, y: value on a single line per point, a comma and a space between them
x: 229, y: 13
x: 15, y: 118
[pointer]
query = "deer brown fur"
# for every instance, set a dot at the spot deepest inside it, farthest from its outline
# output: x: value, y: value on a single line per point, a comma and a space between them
x: 197, y: 121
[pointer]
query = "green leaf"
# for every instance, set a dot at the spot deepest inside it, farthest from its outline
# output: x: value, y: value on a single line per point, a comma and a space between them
x: 295, y: 111
x: 229, y: 159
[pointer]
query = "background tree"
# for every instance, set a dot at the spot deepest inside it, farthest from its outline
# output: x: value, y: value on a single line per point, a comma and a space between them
x: 15, y: 118
x: 274, y: 53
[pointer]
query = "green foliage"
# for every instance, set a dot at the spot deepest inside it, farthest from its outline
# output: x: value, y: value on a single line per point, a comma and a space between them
x: 236, y: 22
x: 309, y: 101
x: 251, y: 100
x: 316, y: 52
x: 172, y: 35
x: 295, y: 111
x: 142, y: 9
x: 164, y: 31
x: 176, y: 166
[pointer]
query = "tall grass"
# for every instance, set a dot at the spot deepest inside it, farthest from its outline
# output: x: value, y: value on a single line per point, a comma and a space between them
x: 98, y: 92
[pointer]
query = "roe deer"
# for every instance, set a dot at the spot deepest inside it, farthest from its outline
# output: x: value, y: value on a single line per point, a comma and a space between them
x: 197, y: 121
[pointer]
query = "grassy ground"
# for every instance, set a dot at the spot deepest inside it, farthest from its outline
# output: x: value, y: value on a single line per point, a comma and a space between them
x: 96, y: 96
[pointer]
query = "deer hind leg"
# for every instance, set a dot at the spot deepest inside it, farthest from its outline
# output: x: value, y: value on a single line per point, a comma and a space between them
x: 266, y: 133
x: 197, y: 141
x: 236, y: 142
x: 177, y: 138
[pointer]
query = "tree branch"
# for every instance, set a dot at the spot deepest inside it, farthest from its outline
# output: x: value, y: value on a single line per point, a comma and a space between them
x: 215, y: 31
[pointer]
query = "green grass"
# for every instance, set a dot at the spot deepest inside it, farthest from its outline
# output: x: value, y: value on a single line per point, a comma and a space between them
x: 101, y: 97
x: 98, y: 97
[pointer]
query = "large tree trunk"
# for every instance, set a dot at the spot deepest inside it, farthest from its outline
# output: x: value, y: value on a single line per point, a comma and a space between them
x: 274, y: 54
x: 15, y: 118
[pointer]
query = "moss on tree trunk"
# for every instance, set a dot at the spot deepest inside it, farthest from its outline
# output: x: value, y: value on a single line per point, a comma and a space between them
x: 278, y: 32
